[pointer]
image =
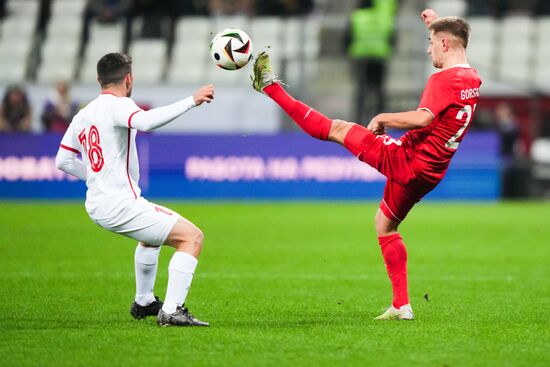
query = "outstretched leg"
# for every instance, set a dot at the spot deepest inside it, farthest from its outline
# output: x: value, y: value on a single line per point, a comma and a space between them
x: 311, y: 121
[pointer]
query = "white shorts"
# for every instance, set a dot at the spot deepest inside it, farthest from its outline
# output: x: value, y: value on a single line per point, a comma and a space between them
x: 144, y: 221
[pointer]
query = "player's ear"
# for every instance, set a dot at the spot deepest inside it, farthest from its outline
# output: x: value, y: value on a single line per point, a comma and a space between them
x: 445, y: 43
x: 128, y: 79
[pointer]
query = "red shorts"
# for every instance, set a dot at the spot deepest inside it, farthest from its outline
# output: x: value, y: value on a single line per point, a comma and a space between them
x: 403, y: 187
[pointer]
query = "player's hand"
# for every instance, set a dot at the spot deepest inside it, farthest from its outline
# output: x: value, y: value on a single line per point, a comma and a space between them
x: 428, y: 16
x: 376, y: 126
x: 204, y: 94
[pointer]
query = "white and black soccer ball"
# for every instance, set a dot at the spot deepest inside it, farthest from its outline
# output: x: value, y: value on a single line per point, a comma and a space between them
x: 231, y: 49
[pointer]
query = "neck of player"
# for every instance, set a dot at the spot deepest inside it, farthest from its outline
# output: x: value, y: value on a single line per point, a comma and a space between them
x: 457, y: 57
x: 118, y: 90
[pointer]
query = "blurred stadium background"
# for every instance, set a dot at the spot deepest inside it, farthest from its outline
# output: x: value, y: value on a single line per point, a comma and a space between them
x: 241, y: 146
x: 283, y: 283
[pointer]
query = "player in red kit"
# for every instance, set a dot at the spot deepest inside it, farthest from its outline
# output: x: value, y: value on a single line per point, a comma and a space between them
x: 413, y: 164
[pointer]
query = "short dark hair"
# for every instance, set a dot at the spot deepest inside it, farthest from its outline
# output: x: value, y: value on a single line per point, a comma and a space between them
x: 113, y: 67
x: 456, y: 26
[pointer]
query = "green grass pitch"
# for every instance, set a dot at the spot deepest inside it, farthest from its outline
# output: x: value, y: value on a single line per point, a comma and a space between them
x: 282, y: 284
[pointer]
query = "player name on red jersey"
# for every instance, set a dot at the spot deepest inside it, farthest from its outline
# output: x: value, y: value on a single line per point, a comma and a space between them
x: 469, y: 93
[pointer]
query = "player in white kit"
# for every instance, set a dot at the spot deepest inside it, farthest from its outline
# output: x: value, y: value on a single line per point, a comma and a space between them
x: 104, y: 133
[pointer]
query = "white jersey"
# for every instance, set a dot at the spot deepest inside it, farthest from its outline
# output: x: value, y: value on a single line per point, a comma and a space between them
x: 102, y: 133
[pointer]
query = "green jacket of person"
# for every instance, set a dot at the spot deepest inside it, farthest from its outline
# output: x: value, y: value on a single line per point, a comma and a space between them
x: 371, y: 29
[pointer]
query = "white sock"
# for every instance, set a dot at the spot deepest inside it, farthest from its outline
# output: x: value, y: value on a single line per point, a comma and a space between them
x: 180, y: 274
x: 146, y: 263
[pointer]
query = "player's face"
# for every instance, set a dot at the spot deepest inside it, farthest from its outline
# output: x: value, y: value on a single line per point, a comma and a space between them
x: 436, y: 50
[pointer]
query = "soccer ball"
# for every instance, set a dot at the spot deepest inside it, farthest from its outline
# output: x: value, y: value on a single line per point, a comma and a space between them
x: 231, y: 49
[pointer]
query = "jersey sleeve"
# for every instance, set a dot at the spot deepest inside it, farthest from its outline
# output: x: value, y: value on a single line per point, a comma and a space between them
x: 70, y: 140
x: 124, y: 110
x: 160, y: 116
x: 437, y: 96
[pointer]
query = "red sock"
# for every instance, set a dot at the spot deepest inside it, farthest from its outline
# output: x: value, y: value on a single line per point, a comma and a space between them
x: 395, y: 258
x: 312, y: 122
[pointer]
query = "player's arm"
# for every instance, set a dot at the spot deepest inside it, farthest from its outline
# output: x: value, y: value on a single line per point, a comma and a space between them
x: 401, y: 120
x: 405, y: 120
x: 68, y: 162
x: 66, y: 159
x: 158, y: 117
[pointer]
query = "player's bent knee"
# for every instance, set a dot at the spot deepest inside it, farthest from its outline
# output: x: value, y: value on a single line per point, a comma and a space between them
x: 193, y: 242
x: 193, y: 238
x: 198, y: 238
x: 383, y: 225
x: 185, y: 236
x: 378, y: 226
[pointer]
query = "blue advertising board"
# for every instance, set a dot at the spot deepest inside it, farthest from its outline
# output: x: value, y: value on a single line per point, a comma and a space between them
x: 284, y: 166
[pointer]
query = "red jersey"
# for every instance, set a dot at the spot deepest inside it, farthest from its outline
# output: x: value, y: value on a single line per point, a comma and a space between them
x: 451, y: 97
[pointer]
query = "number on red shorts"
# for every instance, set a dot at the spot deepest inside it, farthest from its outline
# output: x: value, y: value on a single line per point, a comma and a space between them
x: 91, y: 144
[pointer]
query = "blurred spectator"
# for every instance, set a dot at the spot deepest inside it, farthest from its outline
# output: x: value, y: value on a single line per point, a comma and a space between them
x: 2, y: 9
x: 186, y: 8
x: 369, y: 40
x: 543, y: 7
x: 507, y: 126
x: 156, y: 16
x: 493, y: 8
x: 230, y: 7
x: 152, y: 12
x: 513, y: 173
x: 15, y: 112
x: 283, y: 7
x: 298, y: 7
x: 545, y: 125
x: 523, y: 7
x: 104, y: 11
x: 269, y: 7
x: 59, y: 109
x: 44, y: 12
x: 500, y: 8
